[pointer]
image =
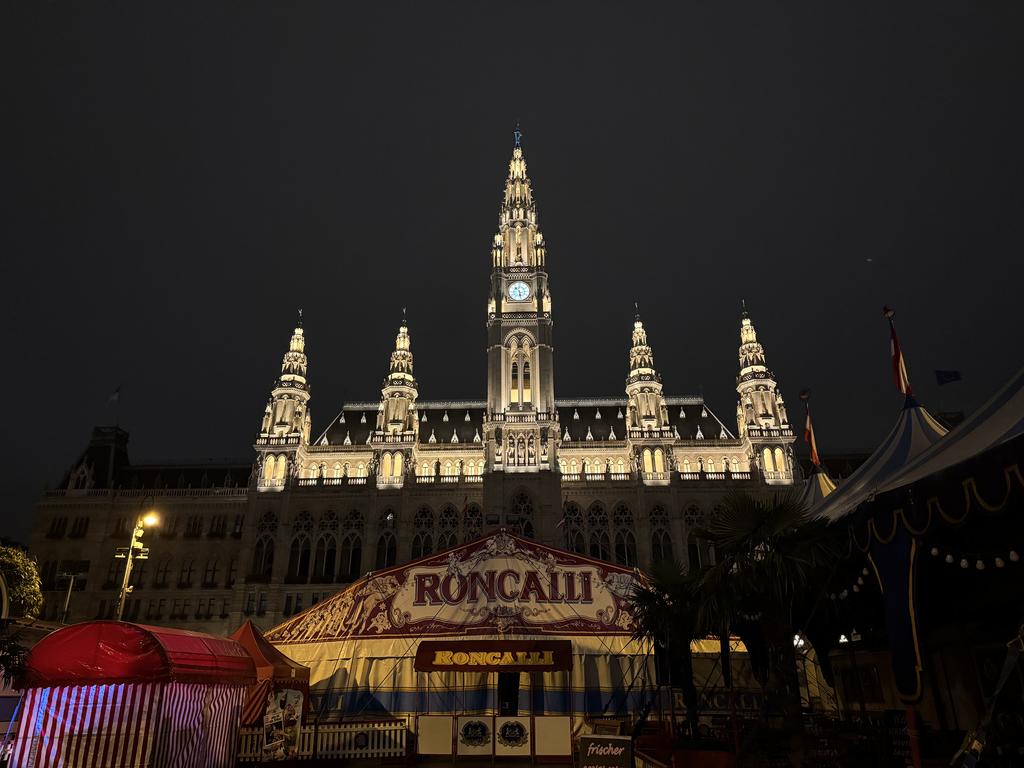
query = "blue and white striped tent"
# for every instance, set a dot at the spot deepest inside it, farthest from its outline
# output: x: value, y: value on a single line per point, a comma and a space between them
x: 915, y: 432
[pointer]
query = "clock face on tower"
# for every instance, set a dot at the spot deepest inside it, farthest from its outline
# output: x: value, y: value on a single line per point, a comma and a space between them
x: 519, y: 291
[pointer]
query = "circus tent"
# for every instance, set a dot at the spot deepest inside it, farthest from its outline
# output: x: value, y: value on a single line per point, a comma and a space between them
x: 109, y: 694
x: 436, y: 638
x: 274, y: 672
x: 915, y: 431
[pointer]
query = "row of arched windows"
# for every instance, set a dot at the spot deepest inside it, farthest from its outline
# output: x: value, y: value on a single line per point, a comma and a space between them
x: 333, y: 553
x: 595, y: 535
x: 452, y: 468
x: 346, y: 469
x: 774, y: 461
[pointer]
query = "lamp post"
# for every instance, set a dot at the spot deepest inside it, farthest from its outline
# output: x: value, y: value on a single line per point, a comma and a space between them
x: 134, y: 551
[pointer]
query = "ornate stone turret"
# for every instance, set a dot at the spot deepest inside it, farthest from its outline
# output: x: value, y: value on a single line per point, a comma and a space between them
x: 760, y: 411
x: 286, y: 419
x: 647, y: 409
x: 397, y: 414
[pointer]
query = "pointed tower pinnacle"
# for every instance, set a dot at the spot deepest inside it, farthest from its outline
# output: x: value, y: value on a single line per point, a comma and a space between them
x: 760, y: 411
x: 518, y: 242
x: 647, y: 409
x: 399, y: 391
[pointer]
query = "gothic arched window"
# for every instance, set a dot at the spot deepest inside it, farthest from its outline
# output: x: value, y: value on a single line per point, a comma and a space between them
x: 448, y: 535
x: 625, y: 543
x: 386, y: 550
x: 326, y: 556
x: 597, y: 532
x: 423, y: 541
x: 661, y: 539
x: 351, y: 557
x: 472, y: 523
x: 521, y: 515
x: 299, y: 551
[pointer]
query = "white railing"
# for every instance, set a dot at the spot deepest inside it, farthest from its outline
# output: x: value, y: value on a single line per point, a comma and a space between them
x: 368, y: 739
x: 473, y: 478
x: 385, y: 481
x: 689, y: 475
x: 571, y: 477
x: 424, y: 478
x: 740, y: 475
x: 273, y: 482
x: 655, y: 477
x: 715, y: 475
x: 277, y: 440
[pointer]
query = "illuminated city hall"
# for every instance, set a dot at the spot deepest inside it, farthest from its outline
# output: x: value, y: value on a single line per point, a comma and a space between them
x: 394, y: 477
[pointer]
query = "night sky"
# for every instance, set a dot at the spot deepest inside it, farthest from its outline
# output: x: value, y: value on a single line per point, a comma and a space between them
x: 177, y: 180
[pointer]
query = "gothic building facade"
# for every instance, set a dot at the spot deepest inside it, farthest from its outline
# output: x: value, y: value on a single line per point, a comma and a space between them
x: 390, y: 479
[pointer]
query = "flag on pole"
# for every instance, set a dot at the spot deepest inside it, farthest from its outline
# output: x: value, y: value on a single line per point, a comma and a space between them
x: 809, y: 429
x: 899, y: 364
x: 946, y: 377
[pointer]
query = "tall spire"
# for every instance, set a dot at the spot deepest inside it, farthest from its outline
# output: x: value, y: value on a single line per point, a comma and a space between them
x: 518, y: 242
x: 286, y: 412
x: 647, y: 409
x: 399, y: 391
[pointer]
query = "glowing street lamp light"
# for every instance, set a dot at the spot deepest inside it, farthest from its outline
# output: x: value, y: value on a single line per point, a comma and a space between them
x: 134, y: 551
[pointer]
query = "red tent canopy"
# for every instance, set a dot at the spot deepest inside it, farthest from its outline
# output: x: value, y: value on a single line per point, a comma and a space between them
x: 271, y: 664
x: 104, y: 652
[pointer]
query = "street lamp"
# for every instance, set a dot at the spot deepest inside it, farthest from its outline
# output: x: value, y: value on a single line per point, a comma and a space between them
x: 134, y: 551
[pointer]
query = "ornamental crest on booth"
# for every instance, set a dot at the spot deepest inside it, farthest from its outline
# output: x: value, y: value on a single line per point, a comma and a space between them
x: 498, y: 584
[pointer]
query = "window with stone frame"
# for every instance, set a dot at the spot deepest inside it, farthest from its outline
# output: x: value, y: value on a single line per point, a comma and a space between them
x: 300, y: 550
x: 661, y: 537
x: 625, y: 542
x: 599, y: 543
x: 520, y: 518
x: 423, y: 539
x: 448, y: 527
x: 472, y: 523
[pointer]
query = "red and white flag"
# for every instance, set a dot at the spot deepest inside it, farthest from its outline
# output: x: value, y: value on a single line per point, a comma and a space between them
x: 809, y: 437
x: 899, y: 365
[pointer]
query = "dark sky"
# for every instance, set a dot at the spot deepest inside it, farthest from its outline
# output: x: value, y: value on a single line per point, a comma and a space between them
x: 176, y: 180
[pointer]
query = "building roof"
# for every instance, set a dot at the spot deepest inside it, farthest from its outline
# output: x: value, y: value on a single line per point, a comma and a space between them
x: 105, y: 652
x: 464, y: 419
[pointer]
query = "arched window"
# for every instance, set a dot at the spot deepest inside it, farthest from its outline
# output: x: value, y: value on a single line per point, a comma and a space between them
x: 281, y: 465
x: 298, y: 552
x: 735, y: 465
x: 521, y: 515
x: 448, y: 524
x: 780, y: 460
x: 659, y: 460
x: 263, y: 553
x: 686, y: 465
x: 423, y: 540
x: 661, y: 548
x: 515, y: 382
x: 597, y: 530
x: 268, y: 468
x: 648, y: 460
x: 625, y: 548
x: 351, y: 557
x: 625, y: 543
x: 527, y: 391
x: 575, y: 540
x: 385, y: 465
x: 661, y: 539
x: 386, y: 550
x: 769, y: 465
x: 325, y: 559
x: 298, y: 559
x: 711, y: 465
x: 472, y: 523
x: 398, y: 465
x: 574, y: 468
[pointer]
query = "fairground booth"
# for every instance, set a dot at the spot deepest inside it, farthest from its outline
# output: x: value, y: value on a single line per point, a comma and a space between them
x: 501, y: 646
x: 111, y: 694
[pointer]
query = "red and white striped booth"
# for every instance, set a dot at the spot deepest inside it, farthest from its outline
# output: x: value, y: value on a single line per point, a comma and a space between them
x: 116, y: 695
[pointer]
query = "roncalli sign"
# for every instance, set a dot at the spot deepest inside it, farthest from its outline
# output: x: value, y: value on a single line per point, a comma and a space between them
x: 606, y: 752
x: 502, y: 583
x: 494, y: 656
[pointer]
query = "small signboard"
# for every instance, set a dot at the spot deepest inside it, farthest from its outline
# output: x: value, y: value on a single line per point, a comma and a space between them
x: 494, y: 655
x: 282, y: 723
x: 606, y: 752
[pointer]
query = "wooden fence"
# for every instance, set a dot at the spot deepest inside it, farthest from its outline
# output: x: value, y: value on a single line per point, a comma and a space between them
x: 369, y: 739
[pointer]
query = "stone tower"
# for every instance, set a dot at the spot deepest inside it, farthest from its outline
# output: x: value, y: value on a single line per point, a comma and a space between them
x: 284, y: 432
x: 760, y: 411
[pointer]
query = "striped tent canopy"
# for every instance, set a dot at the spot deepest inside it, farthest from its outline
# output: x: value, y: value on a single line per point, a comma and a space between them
x: 998, y: 421
x: 274, y: 672
x: 915, y: 431
x: 818, y: 486
x: 107, y: 694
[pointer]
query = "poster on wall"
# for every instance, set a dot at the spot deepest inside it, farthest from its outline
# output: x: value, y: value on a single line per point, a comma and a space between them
x: 281, y: 725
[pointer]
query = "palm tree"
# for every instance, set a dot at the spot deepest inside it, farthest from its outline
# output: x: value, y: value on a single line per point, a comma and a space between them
x: 771, y: 566
x: 665, y: 612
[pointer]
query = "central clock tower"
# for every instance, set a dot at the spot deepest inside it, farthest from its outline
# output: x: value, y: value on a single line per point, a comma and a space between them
x: 521, y: 422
